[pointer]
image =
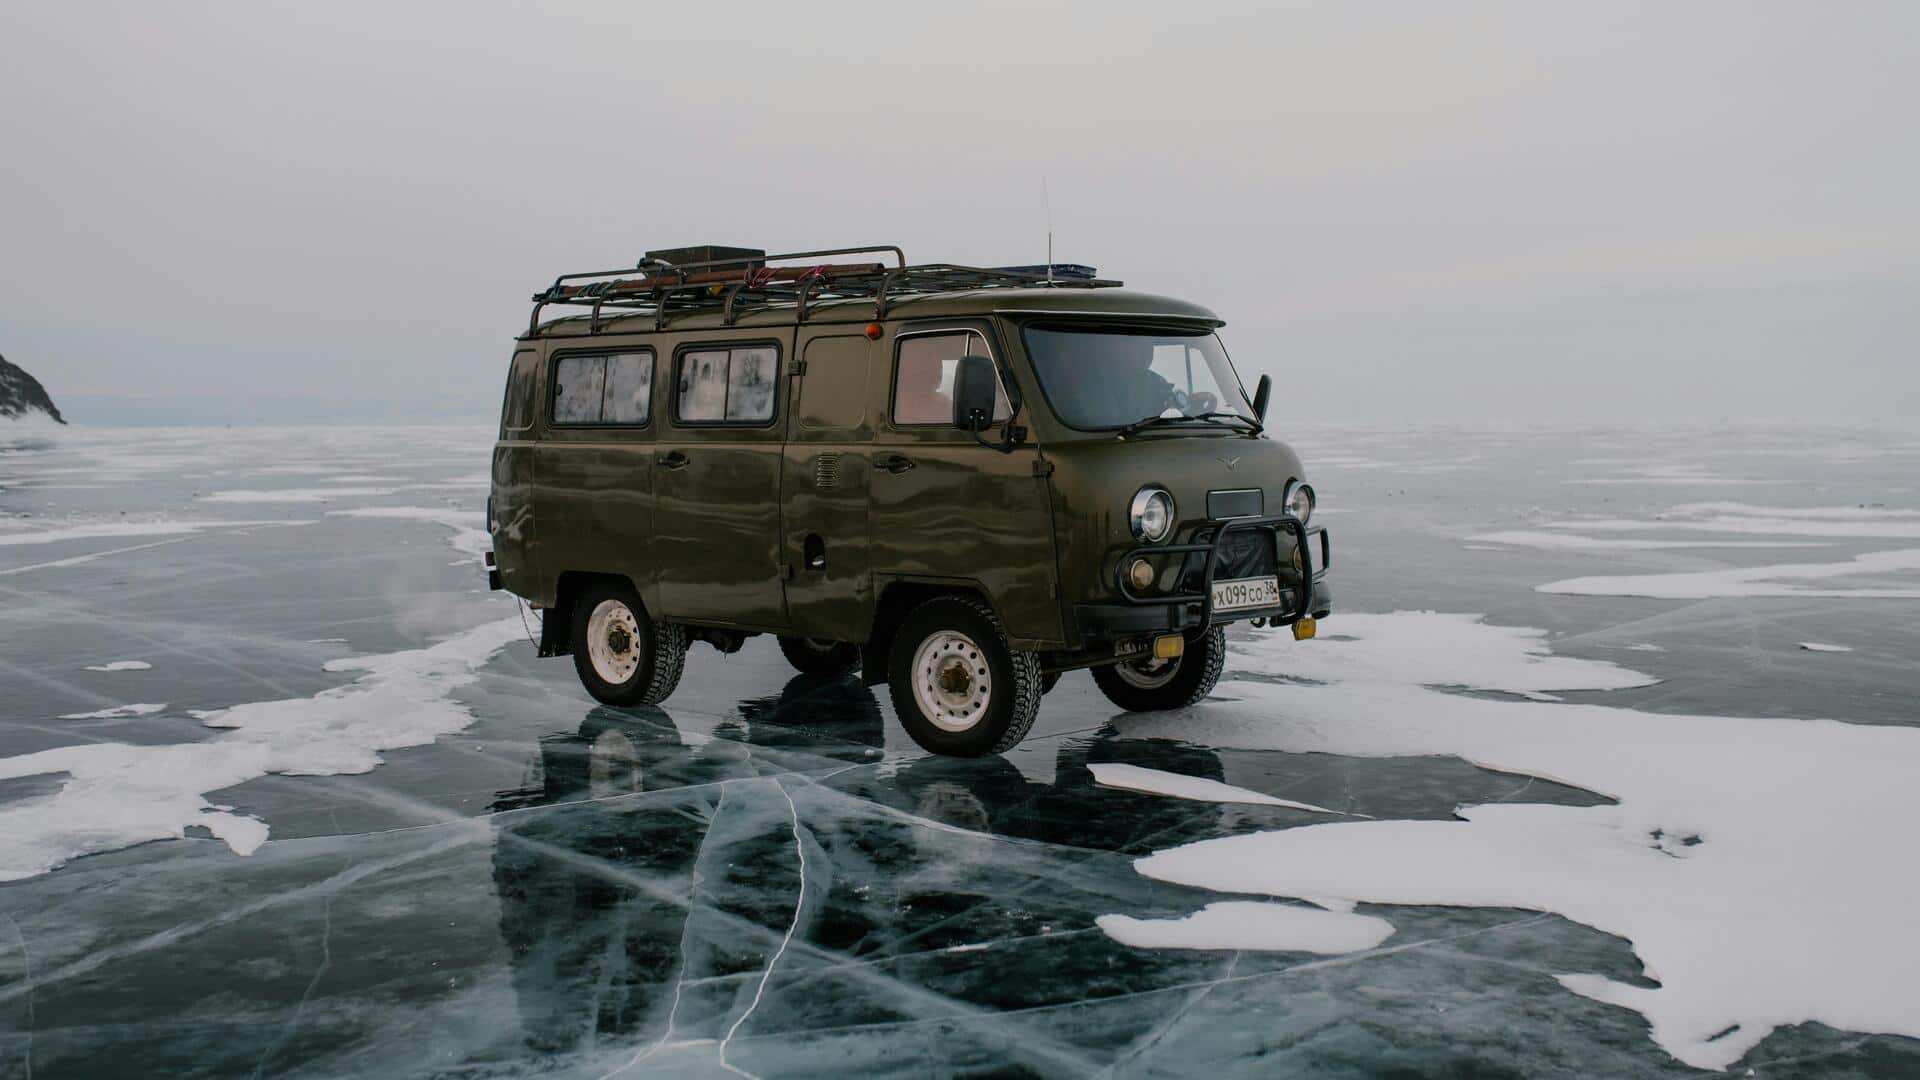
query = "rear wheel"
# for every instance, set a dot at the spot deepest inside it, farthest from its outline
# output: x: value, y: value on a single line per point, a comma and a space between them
x: 956, y: 685
x: 1152, y: 685
x: 623, y: 656
x: 817, y: 657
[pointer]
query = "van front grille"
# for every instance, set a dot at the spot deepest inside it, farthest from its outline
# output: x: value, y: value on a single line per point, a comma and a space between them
x: 826, y: 471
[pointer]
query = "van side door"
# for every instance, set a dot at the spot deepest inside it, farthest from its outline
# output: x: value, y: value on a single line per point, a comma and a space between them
x: 948, y: 509
x: 716, y: 476
x: 828, y: 473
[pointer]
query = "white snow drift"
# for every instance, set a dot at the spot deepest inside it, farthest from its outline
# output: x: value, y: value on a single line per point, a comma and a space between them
x: 1760, y: 868
x: 1246, y: 924
x: 1752, y: 581
x: 1200, y: 789
x: 115, y: 795
x: 469, y: 533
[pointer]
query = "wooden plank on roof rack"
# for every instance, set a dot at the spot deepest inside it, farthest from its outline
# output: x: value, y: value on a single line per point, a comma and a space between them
x: 625, y: 286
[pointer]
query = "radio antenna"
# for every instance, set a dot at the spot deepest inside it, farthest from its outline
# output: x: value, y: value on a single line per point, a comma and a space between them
x: 1046, y: 200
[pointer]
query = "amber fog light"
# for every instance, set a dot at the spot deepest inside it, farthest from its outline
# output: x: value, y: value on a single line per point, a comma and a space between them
x: 1140, y: 574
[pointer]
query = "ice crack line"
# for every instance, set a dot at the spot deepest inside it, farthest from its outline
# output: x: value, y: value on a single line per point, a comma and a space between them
x: 800, y: 847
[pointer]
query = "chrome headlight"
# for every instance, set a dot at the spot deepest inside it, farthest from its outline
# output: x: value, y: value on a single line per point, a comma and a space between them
x: 1151, y: 514
x: 1299, y: 501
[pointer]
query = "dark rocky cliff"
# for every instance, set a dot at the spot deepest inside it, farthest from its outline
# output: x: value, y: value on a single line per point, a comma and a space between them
x: 22, y: 395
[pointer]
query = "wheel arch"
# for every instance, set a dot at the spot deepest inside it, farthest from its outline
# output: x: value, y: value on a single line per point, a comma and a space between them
x: 896, y: 599
x: 556, y: 624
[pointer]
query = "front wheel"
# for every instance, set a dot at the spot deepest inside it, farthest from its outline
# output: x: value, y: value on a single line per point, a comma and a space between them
x: 816, y: 657
x: 622, y: 655
x: 1151, y: 685
x: 957, y: 686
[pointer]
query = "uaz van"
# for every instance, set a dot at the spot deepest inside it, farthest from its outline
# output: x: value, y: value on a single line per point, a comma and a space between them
x: 961, y: 481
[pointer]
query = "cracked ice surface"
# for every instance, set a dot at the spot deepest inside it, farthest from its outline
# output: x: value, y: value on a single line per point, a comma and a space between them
x: 765, y: 863
x: 1730, y: 836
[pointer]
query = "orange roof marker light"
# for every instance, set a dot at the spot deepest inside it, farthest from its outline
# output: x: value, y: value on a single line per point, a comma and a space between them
x: 873, y: 331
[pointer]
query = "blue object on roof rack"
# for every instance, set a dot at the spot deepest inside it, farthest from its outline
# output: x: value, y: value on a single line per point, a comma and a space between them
x: 1059, y: 270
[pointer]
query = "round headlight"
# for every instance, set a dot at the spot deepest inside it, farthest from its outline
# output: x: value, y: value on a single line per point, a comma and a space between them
x: 1151, y: 515
x: 1299, y: 501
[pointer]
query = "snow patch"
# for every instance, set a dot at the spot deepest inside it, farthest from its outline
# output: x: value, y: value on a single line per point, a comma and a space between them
x: 1753, y: 581
x: 116, y: 795
x: 14, y: 536
x: 1730, y: 836
x: 297, y: 495
x: 1560, y: 541
x: 121, y: 665
x: 469, y: 534
x: 118, y: 711
x: 1159, y: 782
x: 1252, y: 924
x: 1428, y: 648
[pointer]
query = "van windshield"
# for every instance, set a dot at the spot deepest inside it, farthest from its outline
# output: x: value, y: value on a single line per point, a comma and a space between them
x: 1102, y: 378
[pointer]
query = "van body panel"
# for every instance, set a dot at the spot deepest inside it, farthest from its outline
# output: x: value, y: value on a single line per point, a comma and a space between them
x: 515, y: 481
x: 827, y: 484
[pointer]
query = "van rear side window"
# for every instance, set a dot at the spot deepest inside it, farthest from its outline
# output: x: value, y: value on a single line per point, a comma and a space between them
x: 517, y: 413
x: 603, y: 389
x: 727, y: 386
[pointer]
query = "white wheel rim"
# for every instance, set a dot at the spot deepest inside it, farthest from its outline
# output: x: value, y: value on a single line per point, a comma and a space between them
x: 613, y: 641
x: 1147, y: 674
x: 952, y: 681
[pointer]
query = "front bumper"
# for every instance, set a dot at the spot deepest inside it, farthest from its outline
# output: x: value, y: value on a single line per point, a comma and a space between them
x: 1303, y: 592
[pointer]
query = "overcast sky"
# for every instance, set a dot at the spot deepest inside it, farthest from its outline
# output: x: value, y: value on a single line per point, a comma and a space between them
x: 1511, y: 213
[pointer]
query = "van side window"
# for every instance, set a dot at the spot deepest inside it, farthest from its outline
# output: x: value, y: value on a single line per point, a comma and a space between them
x: 604, y: 389
x: 629, y: 395
x: 727, y: 386
x: 923, y: 377
x: 517, y: 414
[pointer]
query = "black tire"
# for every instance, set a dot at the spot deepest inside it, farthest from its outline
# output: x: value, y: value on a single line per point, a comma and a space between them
x: 1144, y: 686
x: 820, y: 657
x: 656, y: 651
x: 973, y: 643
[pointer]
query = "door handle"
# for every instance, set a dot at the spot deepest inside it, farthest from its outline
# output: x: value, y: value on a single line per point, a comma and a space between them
x: 673, y: 459
x: 895, y: 463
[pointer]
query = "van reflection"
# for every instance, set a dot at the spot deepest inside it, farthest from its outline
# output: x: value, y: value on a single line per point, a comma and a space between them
x: 595, y: 855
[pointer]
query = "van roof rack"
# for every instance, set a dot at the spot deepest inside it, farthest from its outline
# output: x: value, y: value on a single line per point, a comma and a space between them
x: 727, y: 279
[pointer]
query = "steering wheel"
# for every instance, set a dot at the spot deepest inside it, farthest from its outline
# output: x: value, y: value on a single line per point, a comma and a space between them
x: 1198, y: 403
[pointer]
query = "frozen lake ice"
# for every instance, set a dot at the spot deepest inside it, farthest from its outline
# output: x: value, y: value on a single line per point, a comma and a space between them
x: 1602, y: 766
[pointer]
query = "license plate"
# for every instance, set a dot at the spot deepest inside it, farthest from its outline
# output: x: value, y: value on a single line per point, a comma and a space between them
x: 1249, y: 592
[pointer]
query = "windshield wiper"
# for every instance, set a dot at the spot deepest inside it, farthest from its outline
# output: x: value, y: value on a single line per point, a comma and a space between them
x: 1216, y: 419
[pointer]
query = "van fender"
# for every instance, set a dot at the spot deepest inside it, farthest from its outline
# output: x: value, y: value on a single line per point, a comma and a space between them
x: 899, y: 594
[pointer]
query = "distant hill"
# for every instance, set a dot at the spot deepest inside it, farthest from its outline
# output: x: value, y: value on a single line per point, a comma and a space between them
x: 21, y: 395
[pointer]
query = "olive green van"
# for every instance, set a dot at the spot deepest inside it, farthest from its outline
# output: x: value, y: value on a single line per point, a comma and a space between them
x: 961, y: 481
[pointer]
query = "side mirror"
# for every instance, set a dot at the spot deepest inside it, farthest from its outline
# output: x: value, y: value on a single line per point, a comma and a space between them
x: 1260, y: 395
x: 974, y: 388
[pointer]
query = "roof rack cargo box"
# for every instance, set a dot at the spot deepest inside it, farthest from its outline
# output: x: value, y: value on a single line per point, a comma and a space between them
x: 710, y: 255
